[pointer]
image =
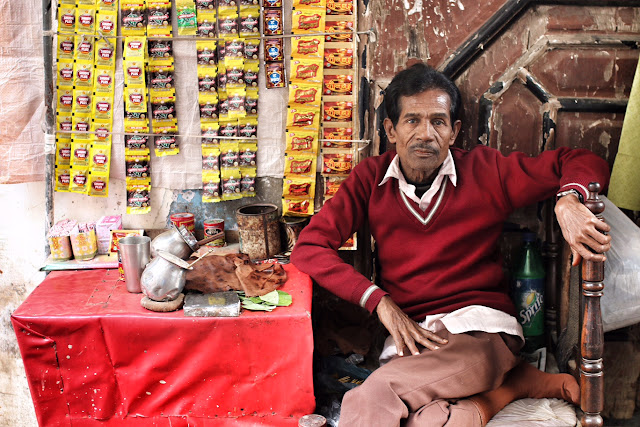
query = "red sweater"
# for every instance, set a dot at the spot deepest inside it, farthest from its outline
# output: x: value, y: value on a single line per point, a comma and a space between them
x: 453, y: 260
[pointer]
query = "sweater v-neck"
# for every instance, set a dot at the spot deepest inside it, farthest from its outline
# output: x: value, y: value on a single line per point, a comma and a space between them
x: 413, y: 209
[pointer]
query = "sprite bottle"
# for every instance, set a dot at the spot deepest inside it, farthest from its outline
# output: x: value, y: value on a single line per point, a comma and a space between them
x: 528, y: 293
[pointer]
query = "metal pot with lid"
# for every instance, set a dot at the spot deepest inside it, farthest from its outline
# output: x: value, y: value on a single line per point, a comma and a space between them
x: 164, y: 277
x: 179, y: 242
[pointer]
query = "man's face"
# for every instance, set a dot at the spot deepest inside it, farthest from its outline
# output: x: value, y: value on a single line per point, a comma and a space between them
x: 423, y: 134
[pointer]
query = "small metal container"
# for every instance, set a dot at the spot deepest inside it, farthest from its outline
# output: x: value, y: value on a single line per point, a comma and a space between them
x: 259, y: 230
x: 164, y: 277
x: 177, y: 241
x: 180, y: 242
x: 214, y: 226
x: 184, y: 218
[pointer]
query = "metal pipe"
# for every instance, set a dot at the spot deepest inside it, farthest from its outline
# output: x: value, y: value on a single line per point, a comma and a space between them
x: 49, y: 118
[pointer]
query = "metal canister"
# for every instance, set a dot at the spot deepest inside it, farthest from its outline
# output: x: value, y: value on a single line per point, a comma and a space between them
x: 184, y: 218
x: 291, y: 228
x: 211, y: 227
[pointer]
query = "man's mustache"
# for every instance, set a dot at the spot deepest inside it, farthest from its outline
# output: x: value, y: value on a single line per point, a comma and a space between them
x: 425, y: 147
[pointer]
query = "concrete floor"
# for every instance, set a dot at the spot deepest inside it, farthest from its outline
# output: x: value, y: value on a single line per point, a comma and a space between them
x: 632, y: 422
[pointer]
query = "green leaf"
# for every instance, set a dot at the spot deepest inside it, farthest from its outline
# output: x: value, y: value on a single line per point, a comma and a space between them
x: 284, y: 299
x: 255, y: 300
x: 257, y: 307
x: 271, y: 298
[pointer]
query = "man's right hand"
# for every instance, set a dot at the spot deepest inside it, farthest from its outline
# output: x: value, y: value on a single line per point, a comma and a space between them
x: 405, y: 332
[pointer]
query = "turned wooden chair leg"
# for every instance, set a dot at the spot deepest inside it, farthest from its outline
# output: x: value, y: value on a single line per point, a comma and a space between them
x: 592, y: 335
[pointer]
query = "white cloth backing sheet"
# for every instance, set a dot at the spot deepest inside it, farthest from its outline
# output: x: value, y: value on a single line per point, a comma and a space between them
x: 22, y: 108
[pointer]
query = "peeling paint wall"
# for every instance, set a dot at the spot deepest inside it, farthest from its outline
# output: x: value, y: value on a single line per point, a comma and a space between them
x: 427, y: 30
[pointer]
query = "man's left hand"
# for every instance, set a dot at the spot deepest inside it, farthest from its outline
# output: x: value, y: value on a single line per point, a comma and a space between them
x: 582, y: 230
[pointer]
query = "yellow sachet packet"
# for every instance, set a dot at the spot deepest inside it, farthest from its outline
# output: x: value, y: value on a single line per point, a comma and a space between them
x: 251, y: 100
x: 81, y: 123
x: 135, y: 48
x: 86, y: 19
x: 80, y: 153
x: 102, y: 107
x: 105, y: 54
x: 166, y: 144
x: 83, y: 74
x: 211, y: 192
x: 65, y: 73
x: 101, y: 132
x: 64, y: 100
x: 230, y: 183
x: 208, y: 106
x: 297, y: 207
x: 303, y: 119
x: 248, y: 182
x: 307, y: 95
x: 64, y: 125
x: 66, y: 18
x: 163, y: 110
x: 63, y: 153
x: 248, y: 154
x: 84, y: 48
x: 249, y: 20
x: 307, y: 47
x: 301, y: 141
x: 209, y: 132
x: 236, y: 100
x: 100, y: 158
x: 302, y: 164
x: 229, y: 154
x: 158, y: 16
x: 104, y: 80
x: 207, y: 79
x: 301, y: 187
x: 133, y: 18
x: 138, y: 198
x: 228, y: 22
x: 79, y: 180
x: 206, y: 22
x: 306, y: 70
x: 307, y: 21
x: 309, y: 4
x: 98, y: 184
x: 133, y: 71
x: 82, y: 101
x: 135, y: 102
x: 107, y: 23
x: 210, y: 159
x: 63, y: 177
x: 66, y: 46
x: 248, y: 128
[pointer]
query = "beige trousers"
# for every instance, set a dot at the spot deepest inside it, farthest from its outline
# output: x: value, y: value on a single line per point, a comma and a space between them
x: 428, y: 390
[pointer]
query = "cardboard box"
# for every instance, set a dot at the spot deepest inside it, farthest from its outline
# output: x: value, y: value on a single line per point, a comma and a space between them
x: 103, y: 231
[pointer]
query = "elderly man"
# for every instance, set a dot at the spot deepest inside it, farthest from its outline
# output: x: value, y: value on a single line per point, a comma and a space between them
x: 436, y: 213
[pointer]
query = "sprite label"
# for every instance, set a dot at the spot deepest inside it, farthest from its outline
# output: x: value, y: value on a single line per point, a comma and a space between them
x: 530, y: 306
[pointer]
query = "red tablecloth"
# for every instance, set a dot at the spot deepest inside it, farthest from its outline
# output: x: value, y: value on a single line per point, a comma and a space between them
x: 91, y: 352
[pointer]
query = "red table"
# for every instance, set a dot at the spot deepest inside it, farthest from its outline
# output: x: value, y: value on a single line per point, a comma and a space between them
x: 93, y: 354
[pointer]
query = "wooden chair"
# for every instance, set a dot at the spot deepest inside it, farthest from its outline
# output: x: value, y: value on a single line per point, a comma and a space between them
x: 585, y: 357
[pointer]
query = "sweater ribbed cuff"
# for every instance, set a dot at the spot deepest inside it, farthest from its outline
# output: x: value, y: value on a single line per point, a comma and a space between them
x: 371, y: 297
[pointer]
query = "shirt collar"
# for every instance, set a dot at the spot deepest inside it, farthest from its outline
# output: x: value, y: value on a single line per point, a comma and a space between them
x: 448, y: 168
